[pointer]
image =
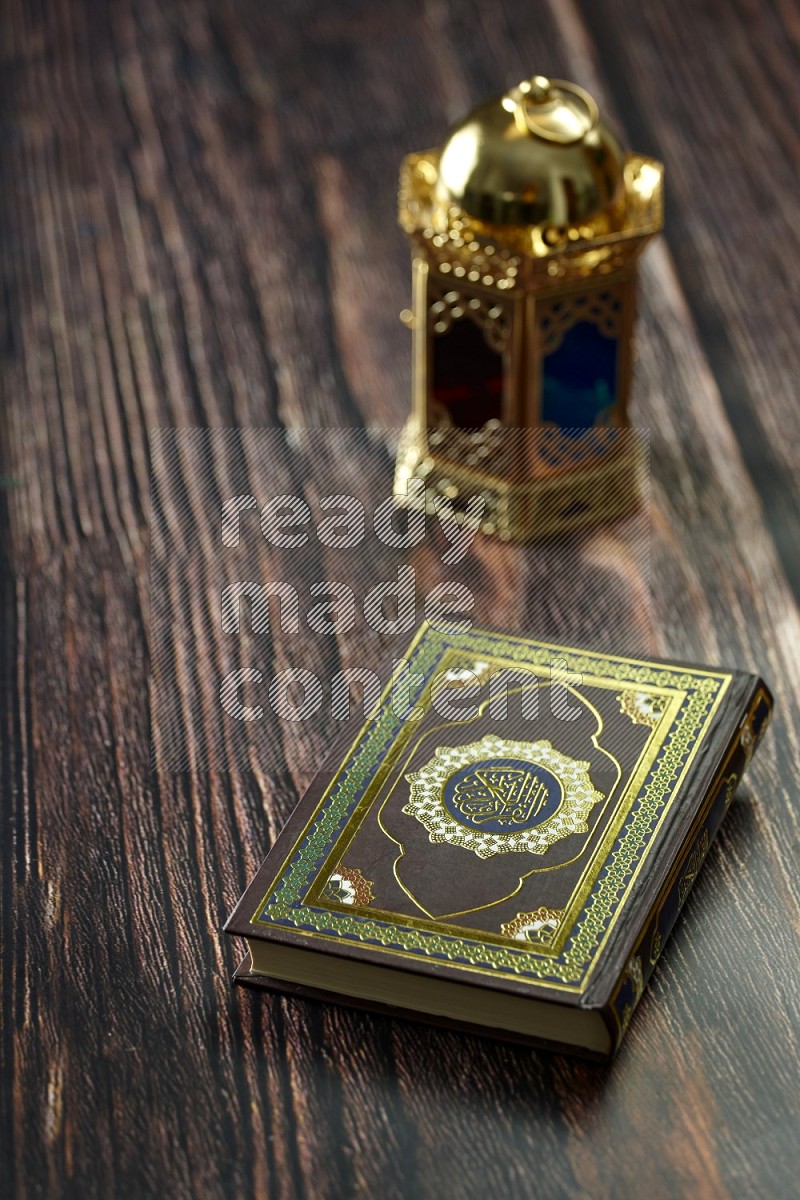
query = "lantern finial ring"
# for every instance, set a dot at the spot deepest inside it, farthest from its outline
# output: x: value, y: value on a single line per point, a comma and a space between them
x: 552, y: 109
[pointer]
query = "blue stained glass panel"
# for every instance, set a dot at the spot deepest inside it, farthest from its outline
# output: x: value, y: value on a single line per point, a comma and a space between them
x: 579, y: 379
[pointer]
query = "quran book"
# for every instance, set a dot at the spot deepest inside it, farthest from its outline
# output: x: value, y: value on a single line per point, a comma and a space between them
x: 505, y: 842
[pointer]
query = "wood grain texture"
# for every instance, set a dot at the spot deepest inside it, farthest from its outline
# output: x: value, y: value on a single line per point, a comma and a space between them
x: 197, y: 228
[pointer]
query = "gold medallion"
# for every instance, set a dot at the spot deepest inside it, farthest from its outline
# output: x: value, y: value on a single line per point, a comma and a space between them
x: 496, y: 795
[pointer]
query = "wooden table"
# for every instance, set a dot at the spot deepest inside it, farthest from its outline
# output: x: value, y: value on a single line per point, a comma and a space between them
x: 198, y: 230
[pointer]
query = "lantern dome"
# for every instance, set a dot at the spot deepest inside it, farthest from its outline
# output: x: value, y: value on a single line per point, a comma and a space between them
x: 539, y: 153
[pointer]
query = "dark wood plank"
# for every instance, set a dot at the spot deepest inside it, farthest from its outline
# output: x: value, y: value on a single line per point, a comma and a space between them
x: 731, y: 209
x: 198, y: 229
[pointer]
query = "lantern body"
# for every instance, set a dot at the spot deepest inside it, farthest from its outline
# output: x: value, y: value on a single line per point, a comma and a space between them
x: 525, y: 230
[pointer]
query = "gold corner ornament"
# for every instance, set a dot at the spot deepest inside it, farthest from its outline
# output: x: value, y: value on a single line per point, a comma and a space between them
x: 496, y: 796
x: 642, y: 707
x: 347, y: 885
x: 538, y: 926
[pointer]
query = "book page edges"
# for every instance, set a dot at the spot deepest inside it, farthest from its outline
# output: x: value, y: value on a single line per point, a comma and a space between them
x: 426, y: 996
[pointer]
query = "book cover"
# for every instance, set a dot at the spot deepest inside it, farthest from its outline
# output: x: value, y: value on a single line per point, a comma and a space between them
x: 505, y: 843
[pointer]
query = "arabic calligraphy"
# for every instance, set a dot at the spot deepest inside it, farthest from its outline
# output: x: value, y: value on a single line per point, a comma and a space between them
x: 502, y: 795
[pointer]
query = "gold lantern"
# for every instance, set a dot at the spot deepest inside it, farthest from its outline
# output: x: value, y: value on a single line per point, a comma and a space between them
x: 525, y: 231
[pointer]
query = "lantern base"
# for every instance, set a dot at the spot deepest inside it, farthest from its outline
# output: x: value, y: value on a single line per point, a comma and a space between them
x: 523, y: 512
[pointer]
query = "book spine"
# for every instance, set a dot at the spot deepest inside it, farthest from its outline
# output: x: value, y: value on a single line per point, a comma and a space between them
x: 686, y: 868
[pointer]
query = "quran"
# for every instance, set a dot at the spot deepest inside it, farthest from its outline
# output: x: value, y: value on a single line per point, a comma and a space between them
x: 505, y: 842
